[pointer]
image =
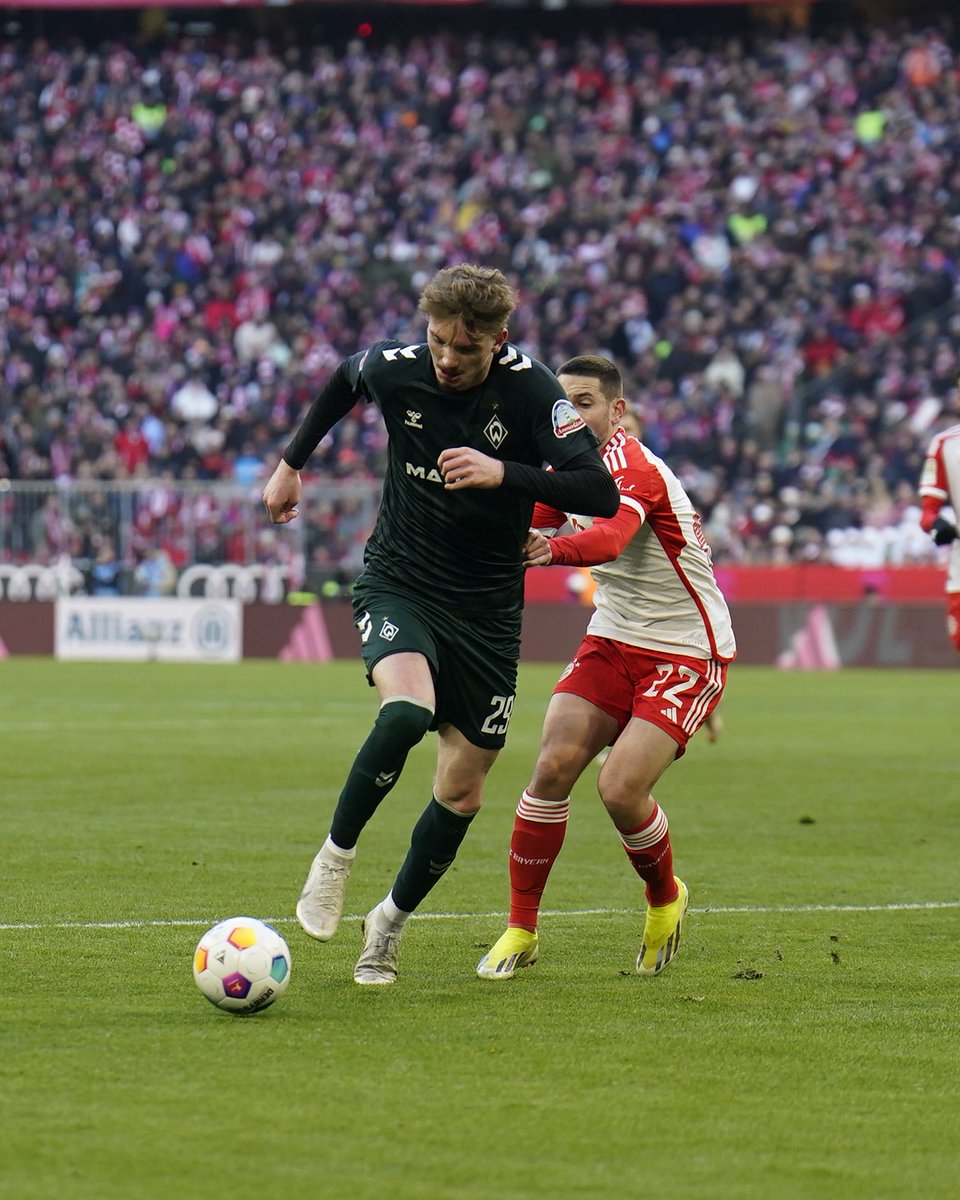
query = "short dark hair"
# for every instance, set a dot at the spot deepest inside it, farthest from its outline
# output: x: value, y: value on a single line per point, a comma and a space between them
x: 480, y: 297
x: 595, y: 366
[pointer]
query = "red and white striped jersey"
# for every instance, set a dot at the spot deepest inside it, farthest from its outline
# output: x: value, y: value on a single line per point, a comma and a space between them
x: 940, y: 480
x: 655, y: 582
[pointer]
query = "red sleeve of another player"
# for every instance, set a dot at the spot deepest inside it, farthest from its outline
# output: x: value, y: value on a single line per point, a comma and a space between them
x: 607, y: 537
x: 545, y: 517
x: 933, y: 486
x: 929, y: 511
x: 604, y: 541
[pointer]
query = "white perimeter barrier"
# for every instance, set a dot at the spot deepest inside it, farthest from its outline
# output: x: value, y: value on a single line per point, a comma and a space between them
x: 137, y: 629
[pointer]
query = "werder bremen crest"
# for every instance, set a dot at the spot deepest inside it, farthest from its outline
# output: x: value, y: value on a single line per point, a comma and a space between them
x: 496, y: 432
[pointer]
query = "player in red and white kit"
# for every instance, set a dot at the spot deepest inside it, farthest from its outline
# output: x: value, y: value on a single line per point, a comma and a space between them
x: 939, y: 486
x: 649, y: 672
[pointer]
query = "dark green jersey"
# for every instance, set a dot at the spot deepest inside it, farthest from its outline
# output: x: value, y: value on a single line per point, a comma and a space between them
x: 461, y: 548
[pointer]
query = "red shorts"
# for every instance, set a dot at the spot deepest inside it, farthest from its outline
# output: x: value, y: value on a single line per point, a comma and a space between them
x: 953, y: 618
x: 676, y: 694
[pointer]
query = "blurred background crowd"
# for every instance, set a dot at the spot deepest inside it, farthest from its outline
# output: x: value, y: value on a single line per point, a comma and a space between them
x: 762, y: 229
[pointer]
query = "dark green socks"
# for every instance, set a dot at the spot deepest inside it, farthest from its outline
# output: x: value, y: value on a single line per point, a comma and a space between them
x: 399, y: 726
x: 434, y: 844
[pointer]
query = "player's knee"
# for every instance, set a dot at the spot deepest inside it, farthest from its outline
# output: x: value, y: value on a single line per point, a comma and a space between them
x: 465, y: 802
x: 556, y: 771
x: 622, y: 796
x: 404, y: 721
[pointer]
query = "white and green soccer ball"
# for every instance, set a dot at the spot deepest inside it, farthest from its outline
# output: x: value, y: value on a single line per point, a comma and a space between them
x: 242, y: 965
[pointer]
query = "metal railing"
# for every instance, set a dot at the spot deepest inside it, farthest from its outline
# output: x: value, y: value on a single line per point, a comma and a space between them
x: 53, y: 535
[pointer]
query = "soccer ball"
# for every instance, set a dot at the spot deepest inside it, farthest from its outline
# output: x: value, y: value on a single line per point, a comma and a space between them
x: 242, y: 965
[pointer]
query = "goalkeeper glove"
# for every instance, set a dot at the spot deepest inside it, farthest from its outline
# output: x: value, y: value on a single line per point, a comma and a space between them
x: 943, y: 531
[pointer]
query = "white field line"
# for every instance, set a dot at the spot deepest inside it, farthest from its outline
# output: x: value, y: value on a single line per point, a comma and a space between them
x: 204, y: 922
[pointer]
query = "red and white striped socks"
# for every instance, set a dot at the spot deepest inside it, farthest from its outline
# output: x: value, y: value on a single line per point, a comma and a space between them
x: 538, y: 832
x: 651, y: 855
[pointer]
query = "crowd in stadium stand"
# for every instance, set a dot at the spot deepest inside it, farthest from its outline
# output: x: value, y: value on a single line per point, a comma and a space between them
x: 764, y: 237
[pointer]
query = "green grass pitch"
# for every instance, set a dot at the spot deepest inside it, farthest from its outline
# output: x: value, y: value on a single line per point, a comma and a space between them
x: 803, y: 1045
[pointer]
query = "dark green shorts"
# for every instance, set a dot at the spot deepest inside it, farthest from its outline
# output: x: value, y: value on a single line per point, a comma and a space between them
x: 473, y: 659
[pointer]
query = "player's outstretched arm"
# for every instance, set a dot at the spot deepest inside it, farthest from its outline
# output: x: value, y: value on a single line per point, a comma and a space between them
x: 605, y: 540
x: 335, y: 399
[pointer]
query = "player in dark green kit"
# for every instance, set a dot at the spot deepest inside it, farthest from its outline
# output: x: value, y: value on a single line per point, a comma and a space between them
x: 471, y: 422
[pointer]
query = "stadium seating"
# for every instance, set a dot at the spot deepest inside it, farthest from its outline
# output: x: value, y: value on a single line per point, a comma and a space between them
x: 195, y: 231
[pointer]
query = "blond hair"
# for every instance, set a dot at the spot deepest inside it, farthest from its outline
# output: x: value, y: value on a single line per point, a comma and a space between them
x: 480, y: 297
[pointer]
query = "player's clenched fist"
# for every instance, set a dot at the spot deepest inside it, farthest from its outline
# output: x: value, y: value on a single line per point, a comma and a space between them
x: 463, y: 467
x: 536, y: 550
x: 282, y: 494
